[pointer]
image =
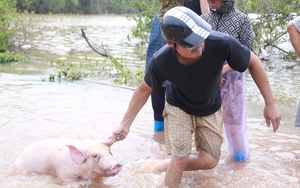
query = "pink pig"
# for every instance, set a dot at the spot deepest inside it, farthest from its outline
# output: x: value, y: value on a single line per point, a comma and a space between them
x: 69, y: 160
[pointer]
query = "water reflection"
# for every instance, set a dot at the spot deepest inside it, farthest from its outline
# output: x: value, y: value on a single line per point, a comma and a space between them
x: 32, y: 110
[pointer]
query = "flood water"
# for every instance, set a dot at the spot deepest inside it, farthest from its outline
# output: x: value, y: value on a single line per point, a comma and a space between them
x: 32, y: 110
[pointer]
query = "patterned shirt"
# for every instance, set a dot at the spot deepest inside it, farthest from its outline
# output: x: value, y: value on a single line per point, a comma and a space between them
x: 228, y: 20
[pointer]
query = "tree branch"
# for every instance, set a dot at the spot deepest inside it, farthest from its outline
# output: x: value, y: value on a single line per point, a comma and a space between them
x: 105, y: 54
x: 273, y: 45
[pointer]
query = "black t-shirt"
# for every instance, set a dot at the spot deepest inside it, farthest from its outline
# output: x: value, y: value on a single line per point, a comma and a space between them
x: 195, y: 89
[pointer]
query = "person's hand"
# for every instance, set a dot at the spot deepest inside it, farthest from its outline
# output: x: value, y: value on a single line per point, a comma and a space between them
x: 225, y: 69
x: 272, y: 116
x: 223, y: 79
x: 119, y: 133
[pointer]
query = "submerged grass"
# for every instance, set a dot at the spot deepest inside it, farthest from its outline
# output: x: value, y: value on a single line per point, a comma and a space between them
x: 104, y: 69
x: 9, y: 57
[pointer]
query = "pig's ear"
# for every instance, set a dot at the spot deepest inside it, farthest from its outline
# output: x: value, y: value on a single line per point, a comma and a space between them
x: 76, y: 155
x: 109, y: 141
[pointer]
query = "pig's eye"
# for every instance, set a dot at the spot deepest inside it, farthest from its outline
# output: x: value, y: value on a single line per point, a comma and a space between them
x: 96, y: 156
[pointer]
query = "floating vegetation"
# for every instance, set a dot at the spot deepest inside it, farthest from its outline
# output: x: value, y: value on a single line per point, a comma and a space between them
x: 9, y: 57
x: 107, y: 68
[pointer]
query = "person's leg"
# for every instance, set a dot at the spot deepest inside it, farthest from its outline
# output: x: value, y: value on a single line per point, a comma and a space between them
x: 208, y: 141
x: 202, y: 161
x: 179, y: 130
x: 158, y: 103
x: 234, y: 115
x: 178, y: 140
x: 174, y: 171
x: 156, y: 41
x: 177, y: 165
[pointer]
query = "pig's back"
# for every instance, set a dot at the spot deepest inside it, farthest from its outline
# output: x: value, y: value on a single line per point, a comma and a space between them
x: 43, y: 156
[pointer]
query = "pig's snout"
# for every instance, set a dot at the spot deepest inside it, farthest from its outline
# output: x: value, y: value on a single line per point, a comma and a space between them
x: 116, y: 168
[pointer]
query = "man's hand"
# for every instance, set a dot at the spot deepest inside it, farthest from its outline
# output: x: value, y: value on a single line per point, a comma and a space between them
x: 272, y: 115
x: 223, y: 79
x: 119, y: 133
x: 226, y: 69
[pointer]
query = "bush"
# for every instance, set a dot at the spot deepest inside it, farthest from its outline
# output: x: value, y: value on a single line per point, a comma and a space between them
x: 108, y: 68
x: 7, y: 13
x: 9, y: 57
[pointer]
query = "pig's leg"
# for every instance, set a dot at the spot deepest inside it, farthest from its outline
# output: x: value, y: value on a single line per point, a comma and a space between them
x: 156, y: 165
x: 64, y: 179
x: 57, y: 181
x: 98, y: 182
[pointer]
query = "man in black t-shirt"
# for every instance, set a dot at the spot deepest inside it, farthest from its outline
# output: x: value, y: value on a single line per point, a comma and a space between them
x: 192, y: 62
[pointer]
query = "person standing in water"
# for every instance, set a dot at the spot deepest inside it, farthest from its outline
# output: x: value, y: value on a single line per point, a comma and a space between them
x: 192, y: 62
x: 156, y: 41
x: 225, y: 18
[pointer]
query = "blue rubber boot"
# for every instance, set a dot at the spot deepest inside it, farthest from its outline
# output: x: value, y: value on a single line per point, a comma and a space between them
x: 240, y: 157
x: 158, y: 126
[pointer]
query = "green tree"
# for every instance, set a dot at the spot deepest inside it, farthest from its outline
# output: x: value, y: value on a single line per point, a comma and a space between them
x: 144, y: 19
x: 50, y: 6
x: 7, y: 16
x: 7, y: 12
x: 90, y: 7
x: 269, y: 25
x: 271, y: 21
x: 24, y: 5
x: 71, y: 6
x: 47, y: 6
x: 144, y: 11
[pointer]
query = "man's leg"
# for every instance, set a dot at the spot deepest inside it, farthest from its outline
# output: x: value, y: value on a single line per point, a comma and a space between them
x: 208, y: 140
x: 174, y: 171
x: 202, y: 161
x: 234, y: 115
x: 178, y: 139
x: 156, y: 41
x: 158, y: 103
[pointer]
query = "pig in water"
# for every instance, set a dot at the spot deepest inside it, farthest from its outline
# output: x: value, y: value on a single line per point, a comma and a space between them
x: 69, y: 160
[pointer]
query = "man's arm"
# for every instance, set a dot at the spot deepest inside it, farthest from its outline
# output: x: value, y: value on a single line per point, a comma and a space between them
x: 294, y: 37
x: 137, y: 101
x: 271, y: 111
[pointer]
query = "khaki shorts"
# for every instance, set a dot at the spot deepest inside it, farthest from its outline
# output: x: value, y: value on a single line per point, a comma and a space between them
x: 180, y: 128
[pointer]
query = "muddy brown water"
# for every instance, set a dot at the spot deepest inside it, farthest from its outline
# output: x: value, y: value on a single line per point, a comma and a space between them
x: 32, y: 110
